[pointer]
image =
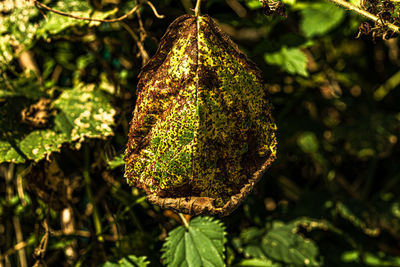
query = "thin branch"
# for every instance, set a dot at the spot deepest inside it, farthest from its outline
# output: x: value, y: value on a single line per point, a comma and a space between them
x: 197, y: 8
x: 155, y: 10
x: 143, y: 53
x: 366, y: 14
x: 17, y: 247
x: 38, y: 4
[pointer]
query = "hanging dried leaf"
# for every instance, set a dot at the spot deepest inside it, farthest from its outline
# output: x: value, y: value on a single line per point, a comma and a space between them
x: 202, y: 133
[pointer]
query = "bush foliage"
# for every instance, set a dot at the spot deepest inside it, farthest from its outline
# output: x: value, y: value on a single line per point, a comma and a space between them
x: 67, y: 91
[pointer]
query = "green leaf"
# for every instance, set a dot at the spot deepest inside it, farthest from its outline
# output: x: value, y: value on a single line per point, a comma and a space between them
x: 291, y: 60
x: 282, y: 243
x: 130, y: 261
x: 116, y: 162
x: 83, y: 112
x: 257, y: 263
x: 319, y: 18
x: 201, y: 244
x: 253, y: 4
x: 25, y: 85
x: 308, y: 142
x: 23, y: 24
x: 56, y: 23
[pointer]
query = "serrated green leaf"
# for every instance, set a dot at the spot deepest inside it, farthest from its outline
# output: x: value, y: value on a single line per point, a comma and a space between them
x: 202, y: 244
x: 291, y: 60
x: 282, y: 243
x: 319, y: 18
x: 130, y: 261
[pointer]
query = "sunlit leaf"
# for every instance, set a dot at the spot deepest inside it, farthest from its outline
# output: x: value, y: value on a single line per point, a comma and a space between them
x: 201, y: 244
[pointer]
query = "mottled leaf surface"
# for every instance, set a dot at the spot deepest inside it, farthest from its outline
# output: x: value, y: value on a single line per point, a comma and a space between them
x: 202, y: 124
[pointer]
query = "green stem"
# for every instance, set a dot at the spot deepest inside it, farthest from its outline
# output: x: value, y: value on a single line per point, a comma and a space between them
x: 86, y: 177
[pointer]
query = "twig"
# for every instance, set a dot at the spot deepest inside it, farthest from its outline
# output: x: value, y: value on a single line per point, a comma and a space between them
x: 133, y: 10
x: 16, y: 248
x: 154, y: 10
x: 197, y: 8
x: 20, y: 190
x: 41, y: 249
x: 366, y: 14
x: 143, y: 53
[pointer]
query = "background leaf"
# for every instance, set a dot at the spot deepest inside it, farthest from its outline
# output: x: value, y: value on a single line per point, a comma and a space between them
x: 319, y: 18
x: 130, y: 261
x: 291, y: 60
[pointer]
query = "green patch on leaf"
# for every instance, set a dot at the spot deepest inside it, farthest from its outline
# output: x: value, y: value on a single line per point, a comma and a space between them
x: 85, y: 112
x: 201, y: 244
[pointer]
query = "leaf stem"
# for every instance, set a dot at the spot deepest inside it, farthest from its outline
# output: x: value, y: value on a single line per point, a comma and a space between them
x: 86, y: 177
x: 366, y: 14
x: 197, y: 8
x: 184, y: 221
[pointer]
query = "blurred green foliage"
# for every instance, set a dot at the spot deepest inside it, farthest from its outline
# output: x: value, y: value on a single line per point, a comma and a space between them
x: 330, y: 199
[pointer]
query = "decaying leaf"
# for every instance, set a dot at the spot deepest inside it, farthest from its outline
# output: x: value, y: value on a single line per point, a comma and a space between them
x: 202, y: 133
